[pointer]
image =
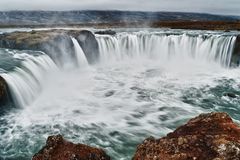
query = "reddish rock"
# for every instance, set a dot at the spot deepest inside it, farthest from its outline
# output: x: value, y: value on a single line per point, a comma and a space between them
x: 211, y: 136
x: 58, y: 148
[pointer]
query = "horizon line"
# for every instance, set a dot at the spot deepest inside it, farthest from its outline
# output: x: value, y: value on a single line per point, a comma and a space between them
x: 112, y: 10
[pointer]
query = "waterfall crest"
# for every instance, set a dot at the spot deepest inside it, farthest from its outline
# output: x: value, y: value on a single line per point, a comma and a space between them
x: 209, y: 48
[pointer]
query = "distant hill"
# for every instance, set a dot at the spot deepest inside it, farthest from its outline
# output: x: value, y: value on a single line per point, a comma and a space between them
x: 81, y: 17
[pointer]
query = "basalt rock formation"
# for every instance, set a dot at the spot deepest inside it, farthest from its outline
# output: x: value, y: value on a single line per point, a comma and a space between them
x: 58, y: 148
x: 55, y: 43
x: 212, y: 136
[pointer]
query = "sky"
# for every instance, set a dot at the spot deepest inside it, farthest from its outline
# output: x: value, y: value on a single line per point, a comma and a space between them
x: 224, y: 7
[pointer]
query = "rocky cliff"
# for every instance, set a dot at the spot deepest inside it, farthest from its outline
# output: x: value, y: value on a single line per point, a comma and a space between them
x: 55, y: 43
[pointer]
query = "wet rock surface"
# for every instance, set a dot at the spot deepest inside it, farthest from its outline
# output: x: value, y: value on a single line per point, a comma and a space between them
x: 4, y: 92
x: 89, y: 44
x: 57, y: 148
x: 235, y: 61
x: 56, y: 43
x: 212, y: 136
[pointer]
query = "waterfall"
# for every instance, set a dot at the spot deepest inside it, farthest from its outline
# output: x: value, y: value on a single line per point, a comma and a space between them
x: 202, y: 47
x: 81, y: 58
x: 25, y: 81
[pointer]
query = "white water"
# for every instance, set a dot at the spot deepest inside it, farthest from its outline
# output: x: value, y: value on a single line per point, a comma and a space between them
x: 25, y: 81
x: 183, y: 47
x: 81, y: 58
x: 135, y: 91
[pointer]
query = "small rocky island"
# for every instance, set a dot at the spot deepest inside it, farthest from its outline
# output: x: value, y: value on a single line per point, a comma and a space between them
x: 212, y: 136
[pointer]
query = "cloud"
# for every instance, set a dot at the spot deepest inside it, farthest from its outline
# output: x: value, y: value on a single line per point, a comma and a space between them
x: 209, y: 6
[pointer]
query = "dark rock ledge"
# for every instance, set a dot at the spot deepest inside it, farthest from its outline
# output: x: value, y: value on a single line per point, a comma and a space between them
x: 212, y: 136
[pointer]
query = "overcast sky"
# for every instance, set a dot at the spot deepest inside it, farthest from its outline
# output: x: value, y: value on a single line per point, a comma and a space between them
x: 209, y: 6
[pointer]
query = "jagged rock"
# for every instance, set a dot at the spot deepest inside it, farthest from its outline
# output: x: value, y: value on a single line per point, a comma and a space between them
x: 58, y: 148
x: 211, y: 136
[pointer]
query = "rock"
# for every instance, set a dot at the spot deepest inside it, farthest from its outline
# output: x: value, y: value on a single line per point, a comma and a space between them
x: 4, y: 92
x: 235, y: 61
x: 89, y: 44
x: 56, y: 43
x: 109, y: 93
x: 211, y: 136
x: 58, y: 148
x: 106, y: 32
x: 230, y: 95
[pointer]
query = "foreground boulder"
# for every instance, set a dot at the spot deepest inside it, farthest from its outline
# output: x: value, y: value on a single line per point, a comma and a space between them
x: 211, y: 136
x: 58, y: 148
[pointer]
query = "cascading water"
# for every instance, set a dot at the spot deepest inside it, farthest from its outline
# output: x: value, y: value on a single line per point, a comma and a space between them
x: 25, y: 81
x: 210, y: 48
x: 134, y: 92
x: 81, y: 58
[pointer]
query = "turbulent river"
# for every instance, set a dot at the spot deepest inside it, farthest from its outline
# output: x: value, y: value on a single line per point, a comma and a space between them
x: 146, y: 83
